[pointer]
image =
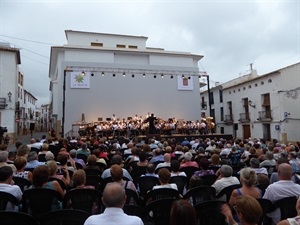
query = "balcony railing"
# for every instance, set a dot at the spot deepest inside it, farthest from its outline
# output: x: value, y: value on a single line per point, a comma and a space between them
x: 244, y: 117
x: 265, y: 115
x: 228, y: 119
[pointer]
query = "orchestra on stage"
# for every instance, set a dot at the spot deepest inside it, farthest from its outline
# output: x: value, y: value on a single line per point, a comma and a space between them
x: 137, y: 126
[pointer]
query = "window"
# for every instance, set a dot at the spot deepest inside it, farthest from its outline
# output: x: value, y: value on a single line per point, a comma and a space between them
x: 233, y: 91
x: 222, y: 113
x: 121, y: 46
x: 211, y: 98
x: 132, y: 46
x: 262, y: 83
x: 239, y: 90
x: 222, y: 130
x: 221, y: 95
x: 244, y: 88
x: 255, y: 85
x: 229, y: 92
x: 95, y: 44
x: 270, y: 81
x: 249, y: 86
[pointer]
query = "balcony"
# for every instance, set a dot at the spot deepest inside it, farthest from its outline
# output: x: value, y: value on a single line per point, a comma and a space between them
x: 244, y: 117
x: 228, y: 119
x: 265, y: 116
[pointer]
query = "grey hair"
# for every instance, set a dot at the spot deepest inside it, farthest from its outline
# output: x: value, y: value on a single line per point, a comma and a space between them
x: 3, y: 156
x: 248, y: 176
x: 226, y: 170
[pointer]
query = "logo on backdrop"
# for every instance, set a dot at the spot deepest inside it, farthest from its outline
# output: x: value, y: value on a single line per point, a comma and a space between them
x: 184, y: 83
x: 79, y: 80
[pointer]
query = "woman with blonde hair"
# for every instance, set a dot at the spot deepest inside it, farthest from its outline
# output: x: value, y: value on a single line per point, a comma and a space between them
x: 248, y: 179
x: 247, y: 208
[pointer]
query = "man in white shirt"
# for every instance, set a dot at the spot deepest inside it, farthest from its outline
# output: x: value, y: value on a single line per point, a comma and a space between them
x: 224, y: 180
x: 283, y: 188
x: 6, y: 185
x: 114, y: 199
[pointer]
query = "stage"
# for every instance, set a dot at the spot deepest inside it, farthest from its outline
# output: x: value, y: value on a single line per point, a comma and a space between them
x: 181, y: 137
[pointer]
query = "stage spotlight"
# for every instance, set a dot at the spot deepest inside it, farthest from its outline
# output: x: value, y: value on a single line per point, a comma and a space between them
x: 102, y: 74
x: 83, y: 73
x: 162, y: 76
x: 124, y: 74
x: 171, y: 76
x: 182, y: 76
x: 92, y: 74
x: 114, y: 75
x: 144, y: 75
x: 154, y: 76
x: 132, y: 75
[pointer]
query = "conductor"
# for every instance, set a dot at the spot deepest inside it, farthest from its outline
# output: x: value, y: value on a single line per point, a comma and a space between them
x: 151, y: 119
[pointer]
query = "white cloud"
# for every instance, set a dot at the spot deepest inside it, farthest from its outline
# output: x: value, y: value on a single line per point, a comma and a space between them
x: 229, y: 34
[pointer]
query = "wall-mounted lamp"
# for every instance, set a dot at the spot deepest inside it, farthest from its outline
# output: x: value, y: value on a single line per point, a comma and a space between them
x: 250, y: 103
x: 83, y: 73
x: 9, y: 94
x: 102, y: 74
x: 124, y: 74
x: 144, y: 75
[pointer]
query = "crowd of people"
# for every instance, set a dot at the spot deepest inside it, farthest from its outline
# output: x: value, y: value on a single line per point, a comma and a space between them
x: 62, y: 165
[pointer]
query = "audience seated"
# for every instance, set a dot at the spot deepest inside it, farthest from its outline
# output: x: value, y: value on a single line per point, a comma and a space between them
x: 175, y: 165
x: 269, y: 161
x: 20, y: 164
x: 164, y: 178
x: 225, y: 179
x: 54, y: 173
x: 114, y: 199
x: 40, y: 179
x: 254, y: 165
x: 248, y: 179
x: 7, y: 185
x: 285, y: 187
x: 182, y: 213
x: 79, y: 180
x: 116, y: 160
x: 117, y: 177
x: 205, y: 170
x: 3, y: 160
x: 247, y: 208
x: 187, y: 161
x: 32, y: 159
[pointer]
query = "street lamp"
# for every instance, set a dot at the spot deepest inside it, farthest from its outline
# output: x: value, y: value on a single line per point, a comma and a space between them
x: 9, y: 94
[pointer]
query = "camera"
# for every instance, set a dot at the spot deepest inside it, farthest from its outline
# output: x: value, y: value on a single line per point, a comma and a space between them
x: 3, y: 130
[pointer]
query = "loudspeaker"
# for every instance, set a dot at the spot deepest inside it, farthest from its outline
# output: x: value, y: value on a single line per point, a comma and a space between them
x: 31, y: 126
x: 236, y: 126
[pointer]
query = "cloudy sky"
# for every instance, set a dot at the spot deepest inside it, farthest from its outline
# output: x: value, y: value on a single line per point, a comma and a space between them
x: 229, y: 34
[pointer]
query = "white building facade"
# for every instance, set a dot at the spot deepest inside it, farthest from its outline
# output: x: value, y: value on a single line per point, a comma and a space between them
x: 99, y: 75
x: 266, y: 106
x: 9, y: 64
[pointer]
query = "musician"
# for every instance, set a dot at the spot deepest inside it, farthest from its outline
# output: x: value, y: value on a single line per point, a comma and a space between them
x: 151, y: 120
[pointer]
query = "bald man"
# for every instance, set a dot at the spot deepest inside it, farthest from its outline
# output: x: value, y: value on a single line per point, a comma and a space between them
x: 166, y: 163
x: 283, y: 188
x: 114, y: 199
